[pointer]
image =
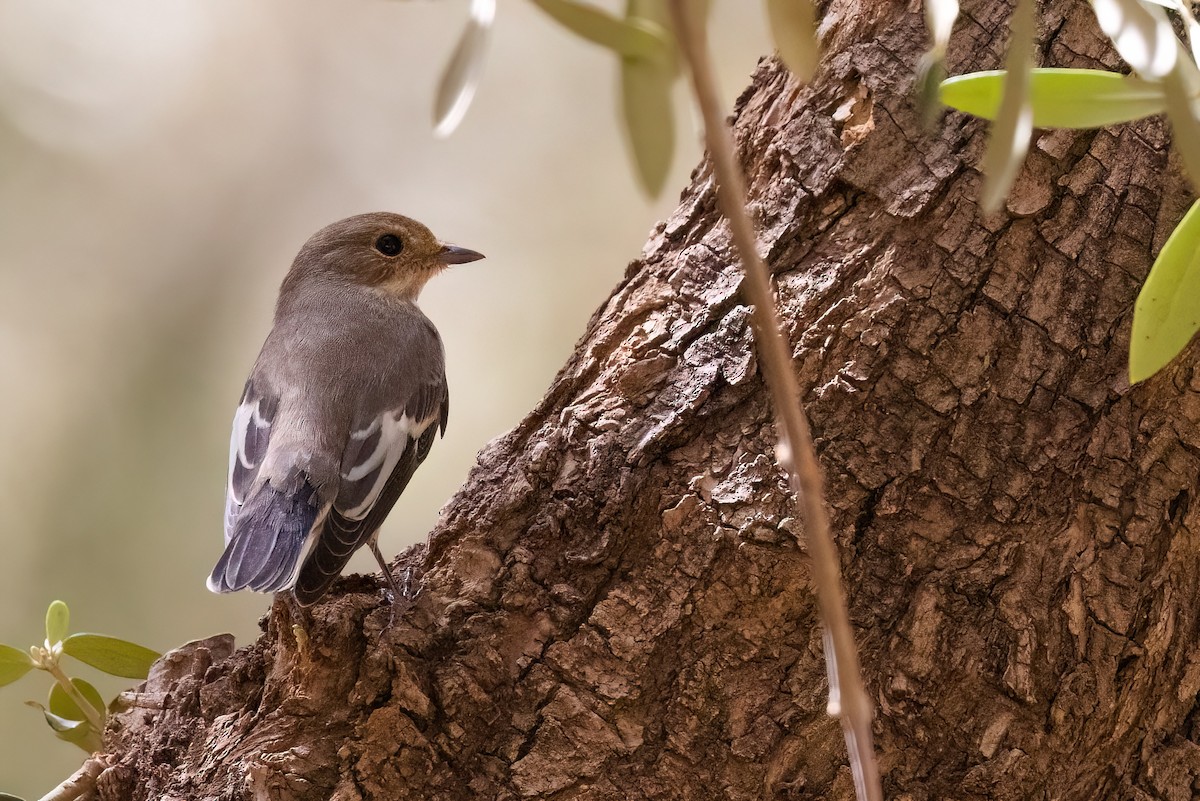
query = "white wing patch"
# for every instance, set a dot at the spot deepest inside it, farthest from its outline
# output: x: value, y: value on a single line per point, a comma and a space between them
x: 367, y: 468
x: 247, y: 446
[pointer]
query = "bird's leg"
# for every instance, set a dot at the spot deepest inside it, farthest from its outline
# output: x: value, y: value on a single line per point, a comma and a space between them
x: 398, y: 597
x: 410, y: 593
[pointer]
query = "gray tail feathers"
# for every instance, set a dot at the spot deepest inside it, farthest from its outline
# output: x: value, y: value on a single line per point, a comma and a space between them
x: 268, y: 541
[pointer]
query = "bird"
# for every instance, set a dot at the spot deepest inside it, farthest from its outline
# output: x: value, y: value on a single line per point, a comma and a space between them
x: 342, y: 405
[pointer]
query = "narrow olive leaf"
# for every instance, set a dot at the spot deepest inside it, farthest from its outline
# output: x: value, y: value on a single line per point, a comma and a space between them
x: 1142, y: 35
x: 76, y: 732
x: 111, y: 655
x: 794, y: 29
x: 1061, y: 98
x: 653, y: 16
x: 8, y: 797
x: 14, y: 664
x: 653, y: 10
x: 57, y: 620
x: 649, y: 119
x: 646, y: 83
x: 60, y: 724
x: 1010, y: 134
x: 460, y: 78
x: 64, y: 706
x: 632, y: 37
x: 1167, y: 312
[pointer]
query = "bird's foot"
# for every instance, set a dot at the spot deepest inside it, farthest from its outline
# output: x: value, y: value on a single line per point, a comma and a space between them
x: 409, y: 585
x: 291, y: 617
x: 301, y: 636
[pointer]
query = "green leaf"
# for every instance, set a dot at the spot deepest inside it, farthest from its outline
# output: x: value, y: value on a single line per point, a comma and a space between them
x: 69, y: 727
x: 460, y: 78
x: 1061, y: 98
x: 646, y: 105
x: 58, y: 618
x: 653, y: 15
x: 633, y: 37
x: 114, y: 656
x: 76, y: 732
x: 62, y: 705
x: 7, y: 797
x: 648, y: 70
x: 652, y: 10
x: 1142, y: 35
x: 1167, y: 312
x: 13, y: 664
x: 794, y: 29
x: 1009, y: 139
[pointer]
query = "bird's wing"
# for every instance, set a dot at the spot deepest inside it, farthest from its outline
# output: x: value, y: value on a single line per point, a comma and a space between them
x: 381, y: 455
x: 247, y: 446
x: 266, y: 526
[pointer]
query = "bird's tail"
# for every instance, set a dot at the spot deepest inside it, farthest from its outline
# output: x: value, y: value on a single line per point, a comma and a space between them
x: 268, y: 541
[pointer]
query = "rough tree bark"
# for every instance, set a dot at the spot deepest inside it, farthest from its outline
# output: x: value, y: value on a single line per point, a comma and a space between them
x: 617, y: 604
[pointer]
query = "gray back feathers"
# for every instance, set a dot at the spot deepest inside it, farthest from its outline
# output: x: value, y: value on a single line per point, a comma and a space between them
x: 335, y: 419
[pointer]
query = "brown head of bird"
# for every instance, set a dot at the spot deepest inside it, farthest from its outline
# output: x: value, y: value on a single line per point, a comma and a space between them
x: 389, y: 252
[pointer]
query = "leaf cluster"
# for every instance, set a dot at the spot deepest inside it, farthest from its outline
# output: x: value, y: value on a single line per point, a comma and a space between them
x: 1021, y: 97
x: 74, y: 709
x: 648, y: 61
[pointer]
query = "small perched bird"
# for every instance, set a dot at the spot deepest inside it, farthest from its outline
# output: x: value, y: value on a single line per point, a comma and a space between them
x: 342, y: 405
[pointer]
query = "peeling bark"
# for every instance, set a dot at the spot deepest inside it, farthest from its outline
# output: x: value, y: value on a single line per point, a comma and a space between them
x: 617, y: 604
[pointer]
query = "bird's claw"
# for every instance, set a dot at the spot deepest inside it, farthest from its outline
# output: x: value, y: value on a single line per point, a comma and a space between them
x: 301, y: 639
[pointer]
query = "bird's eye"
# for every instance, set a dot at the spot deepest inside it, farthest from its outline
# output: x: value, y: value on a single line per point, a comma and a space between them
x: 389, y: 245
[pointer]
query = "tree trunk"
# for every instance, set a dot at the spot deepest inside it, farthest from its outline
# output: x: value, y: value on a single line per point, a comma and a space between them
x: 617, y: 604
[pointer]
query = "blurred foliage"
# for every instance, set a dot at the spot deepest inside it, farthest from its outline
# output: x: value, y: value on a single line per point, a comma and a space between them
x: 644, y: 44
x: 461, y: 76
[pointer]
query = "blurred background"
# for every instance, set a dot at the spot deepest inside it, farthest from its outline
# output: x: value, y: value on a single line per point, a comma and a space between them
x: 161, y: 162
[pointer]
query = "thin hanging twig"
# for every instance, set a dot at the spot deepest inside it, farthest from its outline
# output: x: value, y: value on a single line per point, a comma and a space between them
x: 848, y: 698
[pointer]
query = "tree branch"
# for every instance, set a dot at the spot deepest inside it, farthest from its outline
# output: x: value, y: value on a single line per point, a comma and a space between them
x: 79, y: 783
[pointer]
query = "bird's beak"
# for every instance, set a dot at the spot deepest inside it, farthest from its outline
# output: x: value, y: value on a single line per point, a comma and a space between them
x: 453, y: 254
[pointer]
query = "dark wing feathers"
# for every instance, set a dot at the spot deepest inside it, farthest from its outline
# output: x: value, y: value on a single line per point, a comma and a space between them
x: 342, y: 536
x: 429, y: 398
x: 267, y: 540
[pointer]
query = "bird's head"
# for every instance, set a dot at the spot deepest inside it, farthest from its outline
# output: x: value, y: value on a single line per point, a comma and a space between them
x: 389, y: 252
